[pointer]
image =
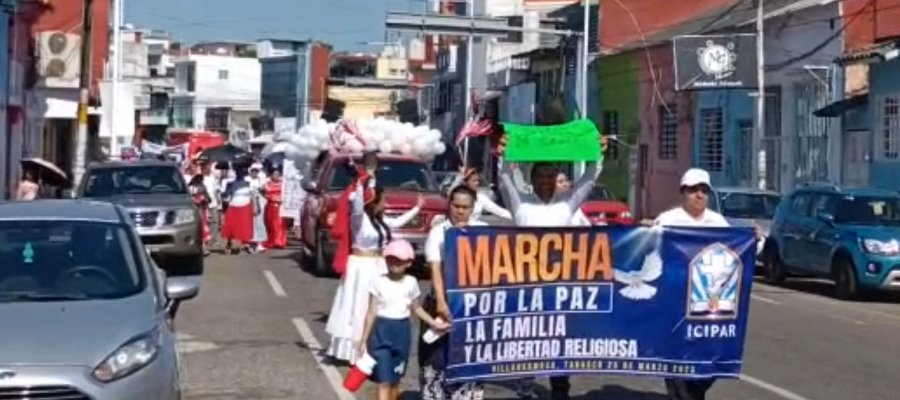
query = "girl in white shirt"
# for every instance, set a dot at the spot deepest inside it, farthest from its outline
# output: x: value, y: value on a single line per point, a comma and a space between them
x: 388, y: 334
x: 370, y: 231
x: 470, y: 178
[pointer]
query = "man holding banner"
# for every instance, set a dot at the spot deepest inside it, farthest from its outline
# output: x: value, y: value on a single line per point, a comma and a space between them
x: 547, y: 207
x: 694, y: 212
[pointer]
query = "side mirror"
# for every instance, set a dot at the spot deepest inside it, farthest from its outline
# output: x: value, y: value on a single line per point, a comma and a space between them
x: 68, y: 194
x: 311, y: 187
x: 182, y: 288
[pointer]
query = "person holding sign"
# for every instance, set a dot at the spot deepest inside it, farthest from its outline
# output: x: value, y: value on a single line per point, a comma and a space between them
x: 368, y: 232
x: 433, y: 356
x: 548, y: 207
x: 387, y: 334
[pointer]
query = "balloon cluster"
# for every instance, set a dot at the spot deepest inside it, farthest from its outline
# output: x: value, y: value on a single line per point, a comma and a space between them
x: 383, y: 135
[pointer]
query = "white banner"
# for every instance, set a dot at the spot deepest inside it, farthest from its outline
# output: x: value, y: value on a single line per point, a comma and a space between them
x: 292, y: 193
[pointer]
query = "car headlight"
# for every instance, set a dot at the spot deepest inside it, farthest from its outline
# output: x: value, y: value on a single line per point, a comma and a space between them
x: 185, y: 216
x: 130, y: 357
x: 879, y: 247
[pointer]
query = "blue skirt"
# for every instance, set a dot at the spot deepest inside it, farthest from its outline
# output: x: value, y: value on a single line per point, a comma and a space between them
x: 389, y: 345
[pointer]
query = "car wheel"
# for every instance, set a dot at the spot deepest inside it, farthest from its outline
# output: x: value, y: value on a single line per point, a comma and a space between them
x: 773, y: 266
x: 846, y: 284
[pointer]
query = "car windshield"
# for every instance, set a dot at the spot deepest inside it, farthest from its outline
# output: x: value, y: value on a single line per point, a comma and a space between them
x: 749, y: 205
x: 67, y: 260
x: 600, y: 193
x: 104, y: 182
x: 868, y: 211
x: 391, y: 174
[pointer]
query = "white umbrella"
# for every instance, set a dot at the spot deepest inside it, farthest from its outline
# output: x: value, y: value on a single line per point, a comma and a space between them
x: 276, y: 147
x: 47, y: 171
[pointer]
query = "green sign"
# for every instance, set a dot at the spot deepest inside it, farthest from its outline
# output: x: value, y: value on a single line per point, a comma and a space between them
x: 572, y: 141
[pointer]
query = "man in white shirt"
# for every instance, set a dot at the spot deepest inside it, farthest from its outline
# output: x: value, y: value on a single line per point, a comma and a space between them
x: 693, y: 212
x: 546, y: 207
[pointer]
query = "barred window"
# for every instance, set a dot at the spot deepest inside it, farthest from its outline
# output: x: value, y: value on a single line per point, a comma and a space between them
x: 889, y: 111
x: 668, y: 132
x: 711, y: 139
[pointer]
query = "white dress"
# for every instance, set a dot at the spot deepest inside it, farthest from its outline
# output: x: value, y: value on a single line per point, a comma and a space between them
x: 483, y: 203
x: 351, y: 301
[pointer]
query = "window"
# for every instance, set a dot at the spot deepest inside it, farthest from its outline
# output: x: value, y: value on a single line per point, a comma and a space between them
x: 749, y: 205
x: 868, y: 210
x: 889, y: 125
x: 391, y: 174
x: 711, y: 140
x: 668, y: 132
x: 800, y: 203
x: 68, y: 261
x: 611, y: 128
x: 106, y: 182
x: 745, y: 149
x: 223, y: 74
x: 191, y: 77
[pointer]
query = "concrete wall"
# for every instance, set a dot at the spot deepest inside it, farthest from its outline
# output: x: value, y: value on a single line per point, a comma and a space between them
x: 885, y: 81
x: 659, y: 178
x: 618, y: 87
x: 363, y: 103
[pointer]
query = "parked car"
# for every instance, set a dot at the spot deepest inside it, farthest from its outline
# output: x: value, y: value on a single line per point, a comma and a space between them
x: 746, y: 207
x: 87, y: 315
x: 602, y: 207
x: 159, y: 203
x: 847, y: 235
x: 402, y: 177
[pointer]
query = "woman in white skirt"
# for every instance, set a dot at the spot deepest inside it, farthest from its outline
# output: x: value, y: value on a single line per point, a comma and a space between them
x: 370, y: 232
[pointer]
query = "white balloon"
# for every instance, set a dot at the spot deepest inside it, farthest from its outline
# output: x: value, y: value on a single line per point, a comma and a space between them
x: 386, y: 147
x: 441, y: 148
x: 354, y: 146
x: 406, y: 149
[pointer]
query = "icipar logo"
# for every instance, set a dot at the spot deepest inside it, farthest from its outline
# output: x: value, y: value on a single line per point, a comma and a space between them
x: 714, y: 283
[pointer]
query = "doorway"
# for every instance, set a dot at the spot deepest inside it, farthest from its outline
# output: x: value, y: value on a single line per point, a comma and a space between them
x: 856, y: 155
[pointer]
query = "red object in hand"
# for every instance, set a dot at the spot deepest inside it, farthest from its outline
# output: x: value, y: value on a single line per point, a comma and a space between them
x: 359, y: 373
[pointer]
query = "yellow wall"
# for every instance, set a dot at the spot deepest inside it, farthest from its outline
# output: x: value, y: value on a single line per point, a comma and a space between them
x: 362, y: 103
x: 392, y: 68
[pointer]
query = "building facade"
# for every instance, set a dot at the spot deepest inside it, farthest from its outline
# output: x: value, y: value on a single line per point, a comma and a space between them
x: 215, y: 92
x: 294, y: 78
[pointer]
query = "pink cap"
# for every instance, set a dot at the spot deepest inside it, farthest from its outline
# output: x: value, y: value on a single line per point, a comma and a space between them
x: 400, y: 249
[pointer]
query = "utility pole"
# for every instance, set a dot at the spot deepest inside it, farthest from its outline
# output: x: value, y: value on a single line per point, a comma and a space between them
x: 758, y: 174
x: 467, y: 92
x: 582, y: 71
x: 116, y: 76
x: 81, y: 135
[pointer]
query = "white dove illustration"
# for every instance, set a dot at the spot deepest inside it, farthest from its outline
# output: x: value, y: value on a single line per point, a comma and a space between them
x: 637, y: 288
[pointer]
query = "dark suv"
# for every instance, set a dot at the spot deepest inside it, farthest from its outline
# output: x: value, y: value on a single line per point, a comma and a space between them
x: 160, y: 205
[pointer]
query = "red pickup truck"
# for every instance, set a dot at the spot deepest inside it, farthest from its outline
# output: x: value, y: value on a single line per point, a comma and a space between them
x: 402, y: 177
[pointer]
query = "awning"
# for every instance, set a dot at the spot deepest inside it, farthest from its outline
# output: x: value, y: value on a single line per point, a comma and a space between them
x: 838, y: 108
x: 871, y: 54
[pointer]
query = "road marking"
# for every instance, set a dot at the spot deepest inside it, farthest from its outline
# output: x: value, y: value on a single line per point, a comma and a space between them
x: 764, y: 299
x: 855, y: 307
x: 774, y: 389
x: 331, y: 373
x: 273, y: 282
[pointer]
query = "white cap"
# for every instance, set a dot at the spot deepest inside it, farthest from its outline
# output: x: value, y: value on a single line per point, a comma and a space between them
x: 694, y: 177
x: 256, y: 165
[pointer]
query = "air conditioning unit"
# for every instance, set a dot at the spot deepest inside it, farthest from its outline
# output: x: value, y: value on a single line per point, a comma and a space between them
x: 59, y: 59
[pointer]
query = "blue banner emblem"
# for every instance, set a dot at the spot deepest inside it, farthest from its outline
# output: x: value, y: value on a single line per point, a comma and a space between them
x: 529, y: 302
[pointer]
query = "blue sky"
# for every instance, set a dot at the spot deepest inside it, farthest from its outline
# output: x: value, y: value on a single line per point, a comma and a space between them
x: 343, y: 23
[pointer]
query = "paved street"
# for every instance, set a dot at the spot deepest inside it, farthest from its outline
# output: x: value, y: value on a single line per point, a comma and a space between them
x: 256, y: 329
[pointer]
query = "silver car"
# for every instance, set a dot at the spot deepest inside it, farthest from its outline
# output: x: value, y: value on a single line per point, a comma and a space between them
x: 86, y: 314
x: 746, y: 206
